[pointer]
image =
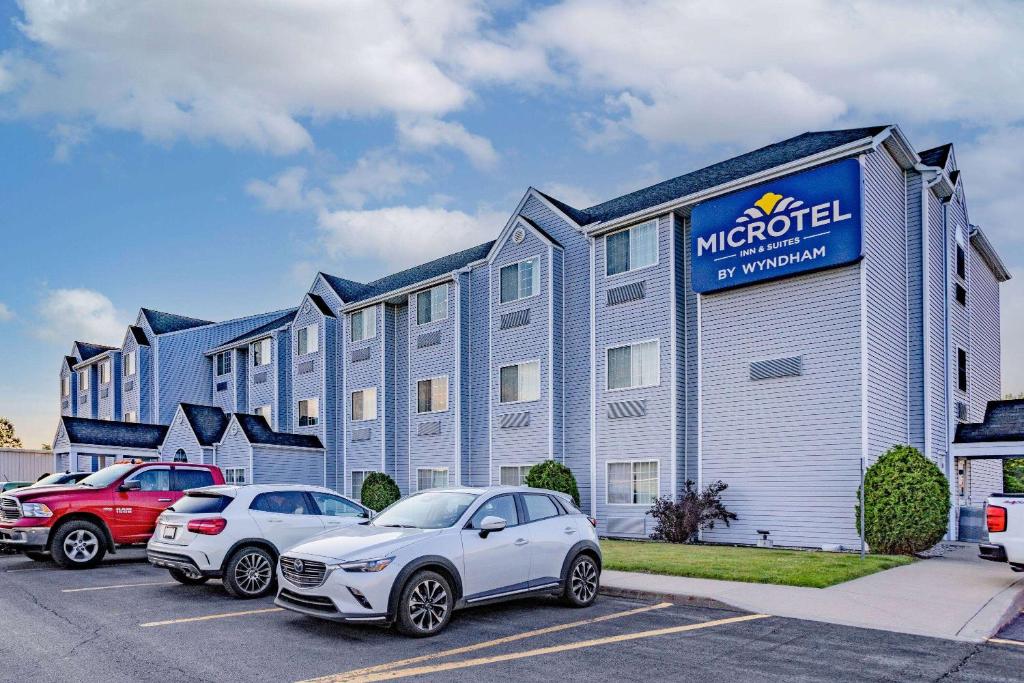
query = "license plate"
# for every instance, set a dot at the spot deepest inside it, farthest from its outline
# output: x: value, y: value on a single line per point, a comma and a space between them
x: 170, y: 532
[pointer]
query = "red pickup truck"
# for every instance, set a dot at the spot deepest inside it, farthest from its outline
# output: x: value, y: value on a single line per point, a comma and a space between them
x: 116, y: 506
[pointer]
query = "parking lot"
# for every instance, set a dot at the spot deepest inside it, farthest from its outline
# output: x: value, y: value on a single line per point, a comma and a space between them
x: 128, y: 621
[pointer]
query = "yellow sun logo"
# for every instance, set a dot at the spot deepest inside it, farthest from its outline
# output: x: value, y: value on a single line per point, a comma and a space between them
x: 767, y: 202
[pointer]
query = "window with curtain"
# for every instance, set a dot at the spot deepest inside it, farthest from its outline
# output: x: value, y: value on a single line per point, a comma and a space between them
x: 520, y: 280
x: 432, y: 395
x: 129, y: 363
x: 105, y: 372
x: 432, y: 305
x: 520, y: 382
x: 307, y: 340
x: 260, y: 352
x: 83, y: 380
x: 632, y: 248
x: 309, y: 412
x: 65, y: 385
x: 431, y: 478
x: 358, y: 477
x: 634, y: 365
x: 364, y: 324
x: 514, y: 475
x: 632, y: 483
x: 364, y: 404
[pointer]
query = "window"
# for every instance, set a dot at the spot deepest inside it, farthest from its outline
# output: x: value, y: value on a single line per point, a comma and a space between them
x: 632, y: 248
x: 129, y: 363
x: 632, y: 483
x: 335, y: 506
x: 358, y: 477
x: 364, y: 324
x: 105, y: 372
x: 520, y: 280
x: 65, y: 385
x: 431, y: 478
x: 260, y: 352
x: 364, y: 404
x: 432, y: 395
x: 83, y: 380
x: 539, y: 506
x: 309, y: 412
x: 961, y: 254
x: 634, y: 365
x: 961, y: 294
x: 234, y: 475
x: 499, y: 506
x: 131, y: 416
x: 432, y: 305
x: 307, y: 340
x: 180, y: 455
x: 266, y: 412
x: 223, y: 362
x: 961, y: 370
x: 186, y: 478
x: 514, y: 475
x: 153, y: 478
x: 520, y: 382
x: 282, y: 503
x: 201, y: 504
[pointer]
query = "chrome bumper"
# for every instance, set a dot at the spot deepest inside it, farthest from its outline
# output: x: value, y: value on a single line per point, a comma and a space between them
x: 25, y: 536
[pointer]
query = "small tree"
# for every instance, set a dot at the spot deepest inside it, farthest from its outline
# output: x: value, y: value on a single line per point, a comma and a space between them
x: 1013, y: 475
x: 906, y: 503
x: 679, y: 521
x: 553, y: 476
x: 379, y: 490
x: 7, y: 437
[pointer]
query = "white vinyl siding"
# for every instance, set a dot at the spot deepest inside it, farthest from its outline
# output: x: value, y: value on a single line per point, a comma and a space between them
x: 631, y: 249
x: 260, y: 352
x: 309, y: 412
x: 634, y: 365
x: 520, y: 382
x: 633, y: 483
x: 432, y: 395
x: 364, y: 324
x: 129, y: 364
x: 431, y: 478
x: 520, y: 280
x: 307, y: 340
x: 358, y: 477
x: 223, y: 361
x: 514, y: 475
x: 432, y: 305
x: 364, y: 404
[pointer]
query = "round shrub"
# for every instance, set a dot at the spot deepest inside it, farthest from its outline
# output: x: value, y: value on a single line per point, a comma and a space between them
x: 553, y: 476
x: 906, y: 503
x: 379, y: 491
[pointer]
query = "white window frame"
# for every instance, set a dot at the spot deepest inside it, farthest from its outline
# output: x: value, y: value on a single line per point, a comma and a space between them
x: 631, y: 463
x: 540, y: 382
x: 607, y: 365
x: 353, y: 493
x: 65, y: 386
x: 217, y: 363
x: 447, y: 394
x: 352, y: 404
x: 105, y: 372
x: 265, y: 350
x: 536, y: 278
x: 312, y: 332
x: 298, y: 416
x: 129, y: 363
x: 266, y: 411
x: 632, y: 269
x: 433, y: 470
x: 131, y: 416
x: 431, y: 290
x: 522, y: 473
x: 83, y: 379
x: 231, y: 475
x: 364, y: 315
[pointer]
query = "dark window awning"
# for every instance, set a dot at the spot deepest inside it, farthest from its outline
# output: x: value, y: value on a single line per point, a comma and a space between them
x: 1000, y: 435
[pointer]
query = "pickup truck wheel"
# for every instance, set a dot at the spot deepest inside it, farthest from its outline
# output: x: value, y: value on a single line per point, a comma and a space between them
x: 37, y: 555
x: 182, y: 577
x: 249, y: 573
x: 78, y: 545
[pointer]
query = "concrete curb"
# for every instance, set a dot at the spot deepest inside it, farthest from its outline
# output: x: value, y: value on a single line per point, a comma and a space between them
x: 678, y: 599
x: 1000, y: 610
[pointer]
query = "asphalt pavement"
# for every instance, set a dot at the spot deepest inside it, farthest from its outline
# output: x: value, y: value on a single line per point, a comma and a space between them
x: 127, y: 621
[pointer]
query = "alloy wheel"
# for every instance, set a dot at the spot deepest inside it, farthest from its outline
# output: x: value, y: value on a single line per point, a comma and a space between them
x: 253, y: 573
x: 428, y: 605
x: 584, y: 580
x: 81, y: 546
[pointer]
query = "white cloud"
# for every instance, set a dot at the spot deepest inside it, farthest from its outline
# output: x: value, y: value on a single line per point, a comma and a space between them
x: 429, y: 133
x: 5, y: 312
x: 993, y: 166
x: 66, y: 137
x: 66, y: 315
x: 573, y: 195
x: 285, y: 192
x: 376, y: 175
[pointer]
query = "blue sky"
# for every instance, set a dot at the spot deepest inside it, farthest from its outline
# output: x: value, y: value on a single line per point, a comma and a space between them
x: 198, y: 159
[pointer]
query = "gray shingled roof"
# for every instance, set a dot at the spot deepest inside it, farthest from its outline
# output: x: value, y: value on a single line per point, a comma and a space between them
x: 139, y: 334
x: 89, y: 350
x: 274, y: 324
x: 162, y: 323
x: 347, y: 290
x: 936, y: 156
x: 208, y: 422
x: 1004, y: 421
x: 82, y: 430
x: 259, y: 432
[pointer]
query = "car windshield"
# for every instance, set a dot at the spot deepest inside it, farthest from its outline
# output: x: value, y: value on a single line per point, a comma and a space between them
x: 107, y: 476
x: 52, y: 479
x: 430, y: 510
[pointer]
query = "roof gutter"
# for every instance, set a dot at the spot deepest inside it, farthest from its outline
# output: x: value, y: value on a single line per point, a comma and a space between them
x: 422, y: 284
x: 988, y: 254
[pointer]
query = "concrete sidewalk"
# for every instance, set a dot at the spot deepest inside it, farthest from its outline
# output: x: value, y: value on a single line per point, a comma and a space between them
x: 954, y: 596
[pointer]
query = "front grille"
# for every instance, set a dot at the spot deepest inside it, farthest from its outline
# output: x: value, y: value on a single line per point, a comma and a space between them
x: 10, y: 511
x: 312, y: 573
x: 314, y: 603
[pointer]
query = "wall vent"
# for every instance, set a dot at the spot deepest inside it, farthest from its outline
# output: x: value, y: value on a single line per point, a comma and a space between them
x: 260, y: 377
x: 361, y: 434
x: 515, y: 420
x: 515, y: 319
x: 429, y: 428
x: 428, y: 339
x: 634, y: 408
x: 777, y: 367
x: 305, y: 367
x: 64, y: 404
x: 129, y: 385
x: 104, y: 392
x: 633, y: 526
x: 222, y: 386
x: 961, y: 411
x: 85, y: 399
x: 361, y: 354
x: 634, y: 291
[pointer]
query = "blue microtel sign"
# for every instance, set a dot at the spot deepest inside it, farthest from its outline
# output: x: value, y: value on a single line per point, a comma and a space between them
x: 803, y: 222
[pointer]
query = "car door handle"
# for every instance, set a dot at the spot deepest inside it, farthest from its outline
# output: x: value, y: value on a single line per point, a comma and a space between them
x: 521, y: 541
x: 164, y: 500
x: 569, y: 530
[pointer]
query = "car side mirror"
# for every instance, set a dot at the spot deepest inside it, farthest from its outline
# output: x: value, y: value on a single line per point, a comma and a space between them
x: 135, y: 485
x: 368, y: 514
x: 491, y: 524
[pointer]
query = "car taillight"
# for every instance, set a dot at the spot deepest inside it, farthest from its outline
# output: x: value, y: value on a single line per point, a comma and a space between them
x: 593, y: 521
x: 208, y: 527
x: 995, y: 516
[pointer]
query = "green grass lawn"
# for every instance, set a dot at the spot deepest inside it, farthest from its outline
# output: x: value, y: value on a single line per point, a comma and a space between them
x: 811, y: 568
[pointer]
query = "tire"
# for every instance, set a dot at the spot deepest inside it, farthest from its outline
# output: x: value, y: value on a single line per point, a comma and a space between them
x: 425, y: 605
x: 582, y: 582
x: 78, y: 545
x: 182, y: 577
x: 37, y: 555
x: 249, y: 573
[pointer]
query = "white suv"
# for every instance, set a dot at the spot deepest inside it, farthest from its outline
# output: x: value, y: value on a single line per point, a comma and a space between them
x: 236, y: 533
x: 441, y: 550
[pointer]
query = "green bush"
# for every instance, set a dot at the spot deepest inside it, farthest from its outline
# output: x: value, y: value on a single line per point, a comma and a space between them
x: 379, y: 490
x: 1013, y: 475
x: 906, y: 503
x: 553, y: 476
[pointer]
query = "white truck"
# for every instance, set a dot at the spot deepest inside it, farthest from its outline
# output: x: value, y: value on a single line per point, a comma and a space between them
x: 1004, y: 516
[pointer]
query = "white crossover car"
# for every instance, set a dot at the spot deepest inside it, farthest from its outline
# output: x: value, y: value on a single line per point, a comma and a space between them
x: 236, y: 533
x: 440, y: 550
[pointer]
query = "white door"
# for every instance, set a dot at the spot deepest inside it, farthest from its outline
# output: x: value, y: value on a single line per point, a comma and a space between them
x: 551, y: 534
x: 285, y: 518
x: 499, y: 561
x: 336, y: 512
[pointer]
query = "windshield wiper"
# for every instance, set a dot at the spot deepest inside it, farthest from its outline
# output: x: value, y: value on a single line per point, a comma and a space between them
x: 397, y: 526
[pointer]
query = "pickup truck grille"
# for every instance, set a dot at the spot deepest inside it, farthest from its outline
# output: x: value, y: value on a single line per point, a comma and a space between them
x: 10, y: 511
x: 311, y: 574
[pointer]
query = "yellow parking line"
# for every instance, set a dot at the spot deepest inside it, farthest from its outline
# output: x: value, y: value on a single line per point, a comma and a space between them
x: 208, y: 617
x: 1004, y: 641
x: 121, y: 585
x: 489, y: 643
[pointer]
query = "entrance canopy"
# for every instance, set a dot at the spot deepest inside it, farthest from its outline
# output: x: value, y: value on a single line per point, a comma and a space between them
x: 1000, y: 436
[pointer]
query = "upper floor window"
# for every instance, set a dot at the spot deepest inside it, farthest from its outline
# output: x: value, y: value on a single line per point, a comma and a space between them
x: 961, y: 255
x: 65, y: 385
x: 520, y: 280
x: 364, y: 324
x: 129, y: 364
x: 83, y: 380
x: 105, y: 372
x: 309, y: 412
x: 307, y: 340
x: 634, y: 365
x: 266, y: 412
x: 520, y: 382
x: 260, y: 352
x: 223, y: 362
x: 961, y: 370
x: 961, y: 294
x: 631, y: 248
x: 131, y: 416
x: 364, y: 404
x: 432, y: 305
x: 432, y: 395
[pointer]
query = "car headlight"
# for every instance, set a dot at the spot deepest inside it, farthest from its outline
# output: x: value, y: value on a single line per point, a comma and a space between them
x: 35, y: 510
x: 378, y: 565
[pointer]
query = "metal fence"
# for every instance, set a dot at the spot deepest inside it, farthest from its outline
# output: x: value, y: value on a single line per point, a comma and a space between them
x: 21, y: 464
